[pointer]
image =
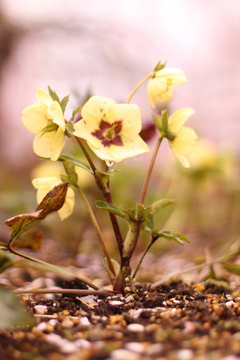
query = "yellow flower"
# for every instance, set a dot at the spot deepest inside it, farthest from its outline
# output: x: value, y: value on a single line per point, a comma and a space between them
x: 46, y: 120
x: 160, y: 87
x: 44, y: 185
x: 181, y: 139
x: 56, y: 169
x: 111, y: 130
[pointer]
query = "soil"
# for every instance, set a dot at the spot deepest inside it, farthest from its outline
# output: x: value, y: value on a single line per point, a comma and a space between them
x: 175, y: 321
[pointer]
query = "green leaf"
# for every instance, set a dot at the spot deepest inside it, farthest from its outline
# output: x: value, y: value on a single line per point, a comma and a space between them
x: 164, y: 120
x: 159, y: 204
x: 64, y: 103
x: 232, y: 268
x: 69, y: 129
x: 148, y: 225
x: 171, y: 236
x: 6, y: 260
x: 52, y: 202
x: 75, y: 162
x: 12, y: 312
x: 110, y: 208
x: 53, y: 95
x: 72, y: 176
x: 75, y: 112
x: 103, y: 178
x: 141, y: 212
x: 159, y: 66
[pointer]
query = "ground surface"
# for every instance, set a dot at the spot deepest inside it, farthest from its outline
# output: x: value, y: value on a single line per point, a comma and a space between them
x: 175, y: 322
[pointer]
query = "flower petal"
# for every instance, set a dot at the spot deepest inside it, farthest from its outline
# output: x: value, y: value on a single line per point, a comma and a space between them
x: 95, y: 110
x: 34, y: 117
x: 81, y: 130
x: 57, y: 144
x: 176, y: 75
x: 43, y: 97
x: 183, y: 144
x: 55, y: 113
x: 130, y: 116
x: 131, y: 147
x: 158, y: 90
x: 49, y: 144
x: 178, y: 119
x: 68, y: 205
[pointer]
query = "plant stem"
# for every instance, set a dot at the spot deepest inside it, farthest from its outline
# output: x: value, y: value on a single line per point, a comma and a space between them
x: 107, y: 196
x: 54, y: 267
x: 141, y: 260
x: 64, y: 291
x: 149, y: 172
x: 137, y: 87
x: 93, y: 167
x: 97, y: 228
x: 114, y: 221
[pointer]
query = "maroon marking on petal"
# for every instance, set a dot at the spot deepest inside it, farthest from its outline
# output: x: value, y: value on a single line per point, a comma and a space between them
x: 118, y: 126
x: 117, y: 141
x: 98, y: 134
x: 103, y: 127
x: 106, y: 142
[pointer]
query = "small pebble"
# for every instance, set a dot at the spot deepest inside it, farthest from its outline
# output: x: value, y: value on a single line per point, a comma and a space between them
x: 135, y: 327
x: 135, y: 347
x: 115, y: 302
x: 185, y: 354
x: 84, y: 321
x: 41, y: 309
x: 67, y: 323
x: 121, y: 354
x: 230, y: 303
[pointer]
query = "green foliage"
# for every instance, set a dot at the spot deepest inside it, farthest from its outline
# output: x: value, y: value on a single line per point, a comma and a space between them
x: 170, y: 236
x: 12, y: 312
x: 103, y: 205
x: 69, y: 159
x: 6, y: 260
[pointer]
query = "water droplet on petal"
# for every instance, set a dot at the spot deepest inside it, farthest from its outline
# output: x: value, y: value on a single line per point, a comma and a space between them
x: 109, y: 163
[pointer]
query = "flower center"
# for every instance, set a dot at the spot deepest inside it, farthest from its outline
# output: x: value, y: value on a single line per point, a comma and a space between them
x: 109, y: 133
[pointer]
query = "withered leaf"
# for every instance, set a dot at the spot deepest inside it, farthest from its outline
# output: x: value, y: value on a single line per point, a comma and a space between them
x: 31, y: 239
x: 52, y: 202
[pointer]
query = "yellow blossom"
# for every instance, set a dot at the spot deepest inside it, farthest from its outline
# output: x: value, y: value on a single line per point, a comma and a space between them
x: 44, y: 185
x: 160, y: 87
x: 181, y: 139
x: 46, y: 120
x: 111, y: 130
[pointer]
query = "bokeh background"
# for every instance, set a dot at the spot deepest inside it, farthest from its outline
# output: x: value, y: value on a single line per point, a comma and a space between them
x: 106, y: 48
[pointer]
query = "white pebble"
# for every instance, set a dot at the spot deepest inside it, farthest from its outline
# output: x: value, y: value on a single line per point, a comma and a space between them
x: 185, y: 354
x: 121, y: 354
x: 84, y: 321
x: 229, y: 303
x: 135, y: 327
x: 66, y: 346
x: 40, y: 309
x: 135, y: 347
x: 115, y: 302
x: 41, y: 326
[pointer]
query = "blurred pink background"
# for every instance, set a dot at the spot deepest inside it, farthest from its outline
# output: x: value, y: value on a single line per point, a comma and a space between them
x: 108, y: 47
